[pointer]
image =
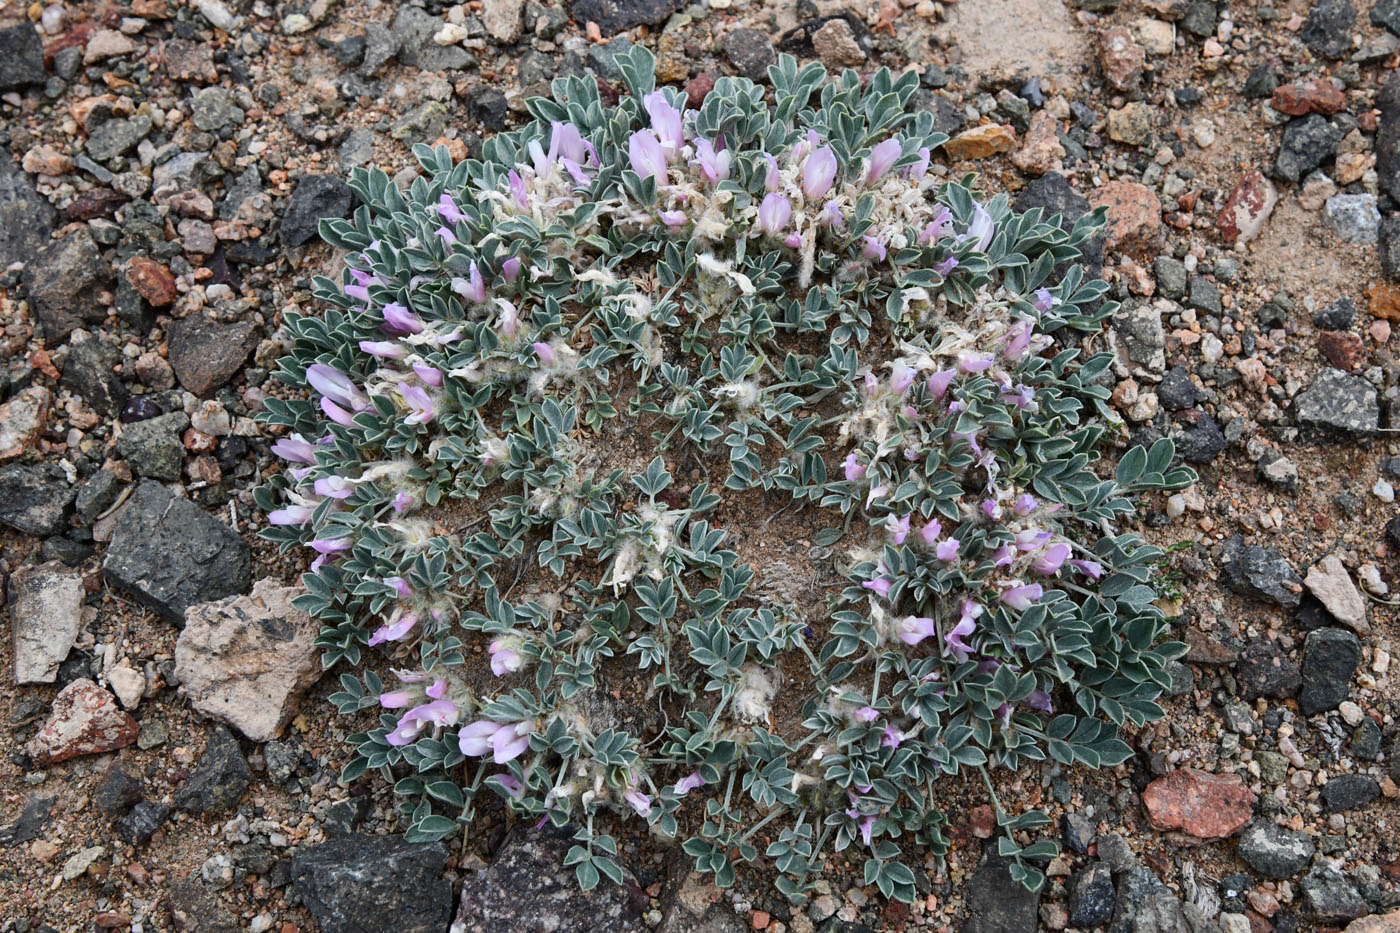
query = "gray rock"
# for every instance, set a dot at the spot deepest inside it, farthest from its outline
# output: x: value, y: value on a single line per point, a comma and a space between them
x: 63, y: 281
x: 1330, y: 657
x: 750, y: 51
x: 535, y: 68
x: 315, y: 197
x: 119, y: 791
x: 1077, y: 831
x: 367, y: 884
x: 345, y: 816
x: 1053, y: 194
x: 357, y: 148
x: 613, y: 16
x: 170, y: 554
x: 140, y: 823
x: 1386, y: 13
x: 1338, y: 315
x: 35, y: 499
x: 1197, y: 436
x: 1353, y: 217
x: 1330, y: 896
x: 414, y: 29
x: 381, y: 45
x: 1261, y: 82
x: 206, y: 354
x: 181, y: 172
x: 527, y: 878
x: 214, y: 108
x: 1273, y: 851
x: 1115, y: 852
x: 90, y: 372
x: 1389, y: 244
x: 1170, y: 273
x: 21, y: 58
x: 219, y: 780
x: 1136, y: 888
x: 1336, y: 402
x: 1091, y: 896
x: 1388, y: 136
x: 1327, y: 31
x: 117, y: 137
x: 96, y: 495
x: 25, y: 215
x: 1307, y: 143
x: 1349, y: 791
x: 1176, y: 391
x: 46, y: 611
x: 1140, y: 339
x: 1204, y: 295
x: 1263, y: 671
x: 196, y: 909
x: 1260, y: 572
x: 31, y: 819
x: 1365, y: 741
x: 996, y: 904
x: 154, y: 447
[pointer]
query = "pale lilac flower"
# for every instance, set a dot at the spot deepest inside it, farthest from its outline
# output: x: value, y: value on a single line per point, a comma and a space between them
x: 866, y: 714
x: 1019, y: 340
x: 517, y: 189
x: 875, y: 493
x: 406, y: 731
x: 666, y: 121
x: 916, y: 172
x: 395, y: 630
x: 1022, y: 597
x: 510, y: 742
x: 401, y: 501
x: 430, y: 375
x: 395, y: 699
x: 647, y: 156
x: 981, y: 229
x: 331, y: 545
x: 420, y: 404
x: 947, y: 550
x: 774, y: 213
x: 946, y: 266
x: 637, y: 801
x: 673, y: 218
x: 867, y: 828
x: 688, y: 783
x: 336, y: 386
x: 1022, y: 396
x: 773, y: 177
x: 931, y: 532
x: 509, y: 321
x: 510, y: 269
x: 793, y: 241
x: 818, y: 173
x: 938, y: 383
x: 473, y: 288
x: 296, y: 448
x: 1031, y: 538
x: 400, y: 320
x: 1043, y: 300
x: 448, y: 237
x: 892, y: 738
x: 1004, y: 557
x: 992, y: 509
x: 1090, y: 568
x: 447, y: 209
x: 898, y: 528
x: 504, y: 659
x: 358, y: 292
x: 1025, y: 505
x: 513, y: 788
x: 935, y: 229
x: 474, y: 740
x: 400, y: 585
x: 873, y: 249
x: 1039, y: 699
x: 967, y: 624
x: 334, y: 487
x: 713, y: 165
x: 1050, y: 560
x: 901, y: 378
x: 291, y: 515
x: 974, y: 362
x: 384, y: 349
x: 855, y: 471
x: 882, y: 157
x: 831, y: 215
x: 913, y: 629
x: 879, y: 585
x: 545, y: 352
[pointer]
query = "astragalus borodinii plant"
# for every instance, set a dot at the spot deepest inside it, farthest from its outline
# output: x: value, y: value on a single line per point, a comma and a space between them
x: 547, y: 374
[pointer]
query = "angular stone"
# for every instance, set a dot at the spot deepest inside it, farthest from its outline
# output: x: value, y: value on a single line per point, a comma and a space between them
x: 997, y: 904
x: 1353, y: 217
x: 367, y: 884
x: 246, y: 660
x: 1134, y: 218
x: 21, y: 420
x: 1377, y: 923
x: 414, y: 30
x: 315, y: 197
x: 206, y: 354
x: 1331, y: 584
x: 1207, y: 806
x: 46, y: 606
x: 1041, y: 151
x: 35, y: 499
x: 31, y: 819
x: 750, y: 51
x: 153, y: 447
x: 692, y: 904
x: 90, y: 372
x: 21, y: 57
x: 1260, y: 572
x: 84, y: 720
x: 219, y: 780
x: 1247, y: 209
x: 1130, y: 124
x: 837, y: 45
x: 119, y: 791
x: 1304, y: 97
x: 1307, y: 143
x: 1330, y: 656
x: 1122, y: 58
x: 1091, y: 896
x: 1330, y: 896
x: 138, y: 826
x: 1273, y: 851
x: 1262, y: 670
x: 502, y: 19
x: 26, y: 217
x: 1343, y: 350
x: 1327, y: 30
x: 152, y: 280
x: 170, y: 554
x: 981, y: 142
x: 1349, y: 791
x: 1338, y: 402
x: 614, y: 16
x: 63, y: 281
x: 528, y: 878
x: 117, y: 137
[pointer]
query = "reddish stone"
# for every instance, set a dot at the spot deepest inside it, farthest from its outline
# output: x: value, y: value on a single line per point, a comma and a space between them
x: 1134, y: 218
x: 84, y: 720
x: 1342, y: 350
x: 1122, y: 58
x: 154, y: 281
x: 112, y: 920
x: 99, y: 202
x: 607, y: 93
x: 983, y: 820
x: 21, y: 419
x: 1306, y: 97
x: 981, y: 142
x: 698, y: 88
x: 1383, y: 301
x: 1376, y: 923
x: 1247, y: 209
x: 1207, y: 806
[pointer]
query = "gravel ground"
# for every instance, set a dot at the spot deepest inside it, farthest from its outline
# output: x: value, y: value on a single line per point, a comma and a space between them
x: 162, y: 166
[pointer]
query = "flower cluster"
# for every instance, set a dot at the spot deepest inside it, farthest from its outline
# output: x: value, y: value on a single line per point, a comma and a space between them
x: 778, y: 296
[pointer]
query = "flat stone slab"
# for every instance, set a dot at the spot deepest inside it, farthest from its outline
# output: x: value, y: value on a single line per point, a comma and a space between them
x: 369, y: 884
x: 46, y: 606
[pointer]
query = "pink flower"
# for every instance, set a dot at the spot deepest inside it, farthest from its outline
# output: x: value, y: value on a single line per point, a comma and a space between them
x: 430, y: 375
x: 400, y: 585
x: 713, y: 165
x: 332, y: 545
x: 447, y: 209
x: 981, y: 229
x: 938, y: 383
x: 545, y: 352
x: 866, y: 714
x: 879, y: 585
x: 1018, y: 342
x: 448, y: 237
x: 892, y: 738
x: 1025, y: 505
x: 474, y: 287
x: 947, y: 550
x: 1050, y: 560
x: 420, y: 404
x: 673, y: 218
x: 517, y: 189
x: 898, y: 528
x: 916, y: 172
x: 1005, y: 556
x: 855, y: 471
x: 1031, y: 538
x: 475, y: 738
x: 396, y: 699
x: 688, y: 783
x: 774, y: 213
x: 295, y: 448
x: 504, y: 660
x: 513, y: 788
x: 647, y: 156
x: 873, y: 250
x: 967, y: 624
x: 1023, y: 597
x: 1043, y: 300
x: 818, y: 173
x: 882, y: 157
x: 666, y: 121
x: 384, y: 349
x: 773, y: 176
x: 974, y: 362
x: 637, y: 801
x: 1090, y: 568
x: 336, y: 386
x: 793, y: 241
x: 936, y: 227
x: 913, y: 629
x: 334, y: 487
x: 510, y: 270
x: 992, y: 509
x: 510, y: 742
x: 931, y: 532
x: 946, y: 266
x: 291, y: 515
x: 394, y: 631
x: 437, y: 689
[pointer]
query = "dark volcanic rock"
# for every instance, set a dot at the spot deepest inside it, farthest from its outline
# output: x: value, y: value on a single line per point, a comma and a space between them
x: 1077, y: 831
x: 996, y: 904
x: 1308, y: 142
x: 25, y: 215
x: 1091, y: 896
x: 1337, y: 402
x: 1330, y: 657
x: 30, y: 820
x: 35, y: 499
x: 750, y: 51
x: 1176, y: 391
x: 1388, y: 136
x: 1197, y: 436
x: 1327, y: 30
x: 170, y: 554
x: 368, y: 884
x: 63, y: 282
x: 528, y: 879
x: 1386, y: 13
x: 1263, y: 671
x: 90, y: 371
x: 141, y: 822
x: 21, y: 57
x: 119, y: 791
x: 1260, y: 572
x: 315, y: 197
x: 153, y: 447
x: 1349, y: 791
x: 1389, y: 246
x: 1330, y: 896
x: 1053, y: 194
x: 220, y: 778
x: 206, y: 354
x: 613, y: 16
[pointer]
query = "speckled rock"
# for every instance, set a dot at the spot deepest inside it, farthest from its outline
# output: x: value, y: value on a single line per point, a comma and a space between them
x: 219, y: 780
x: 46, y: 605
x: 369, y: 884
x: 1207, y: 806
x: 84, y: 720
x: 1338, y: 402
